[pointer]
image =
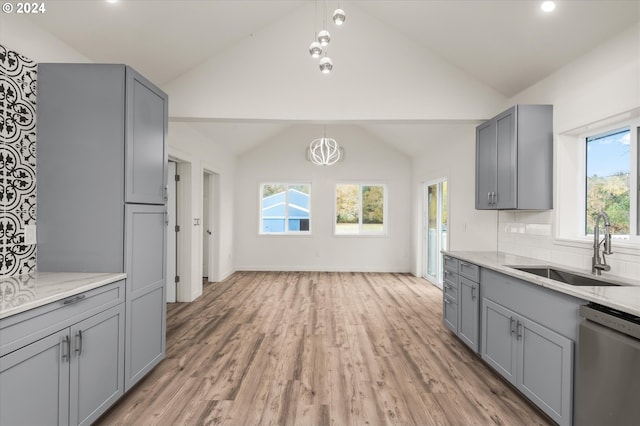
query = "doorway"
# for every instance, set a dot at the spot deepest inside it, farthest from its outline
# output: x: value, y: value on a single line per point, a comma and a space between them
x: 435, y: 227
x: 210, y: 231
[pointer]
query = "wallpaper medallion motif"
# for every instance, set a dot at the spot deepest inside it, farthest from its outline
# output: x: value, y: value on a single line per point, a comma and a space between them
x: 17, y: 161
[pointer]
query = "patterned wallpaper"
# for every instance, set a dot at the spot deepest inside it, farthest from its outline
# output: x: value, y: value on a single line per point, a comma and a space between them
x: 17, y: 162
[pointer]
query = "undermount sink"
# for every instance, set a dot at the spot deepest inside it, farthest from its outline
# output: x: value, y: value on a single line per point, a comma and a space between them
x: 564, y: 276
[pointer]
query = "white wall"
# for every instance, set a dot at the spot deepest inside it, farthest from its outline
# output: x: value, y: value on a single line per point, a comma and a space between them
x: 282, y: 159
x: 454, y: 159
x: 378, y: 74
x: 601, y: 84
x: 195, y: 153
x: 19, y: 34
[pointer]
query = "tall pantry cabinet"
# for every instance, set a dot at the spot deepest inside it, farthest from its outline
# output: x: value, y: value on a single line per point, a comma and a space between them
x: 102, y: 155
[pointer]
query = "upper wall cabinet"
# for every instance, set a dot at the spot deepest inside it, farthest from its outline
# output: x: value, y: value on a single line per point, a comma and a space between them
x: 514, y: 159
x: 145, y: 141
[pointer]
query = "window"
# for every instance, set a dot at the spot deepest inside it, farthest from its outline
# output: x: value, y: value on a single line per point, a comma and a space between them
x: 360, y: 209
x: 597, y: 169
x: 285, y: 208
x: 608, y: 179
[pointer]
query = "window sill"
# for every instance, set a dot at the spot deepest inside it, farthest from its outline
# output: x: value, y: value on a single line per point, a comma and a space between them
x: 361, y: 235
x: 285, y: 234
x: 627, y: 247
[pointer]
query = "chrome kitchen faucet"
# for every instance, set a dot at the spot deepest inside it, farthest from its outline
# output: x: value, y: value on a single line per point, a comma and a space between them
x: 598, y: 265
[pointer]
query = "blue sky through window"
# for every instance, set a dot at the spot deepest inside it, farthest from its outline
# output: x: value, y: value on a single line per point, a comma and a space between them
x: 609, y: 155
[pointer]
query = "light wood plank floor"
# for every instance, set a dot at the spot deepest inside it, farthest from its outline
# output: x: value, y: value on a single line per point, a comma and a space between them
x: 318, y: 348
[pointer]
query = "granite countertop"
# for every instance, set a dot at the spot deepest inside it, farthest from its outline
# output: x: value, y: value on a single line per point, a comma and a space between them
x: 24, y: 292
x: 625, y: 297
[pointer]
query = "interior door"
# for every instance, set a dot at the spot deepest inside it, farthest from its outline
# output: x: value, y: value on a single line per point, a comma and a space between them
x: 206, y: 225
x: 172, y: 237
x: 210, y: 228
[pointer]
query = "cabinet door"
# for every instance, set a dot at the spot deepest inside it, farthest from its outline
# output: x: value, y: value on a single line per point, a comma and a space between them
x: 545, y: 369
x: 97, y: 365
x: 34, y: 383
x: 486, y: 166
x: 145, y: 250
x: 468, y: 308
x: 507, y: 160
x: 146, y: 141
x: 450, y: 313
x: 499, y: 346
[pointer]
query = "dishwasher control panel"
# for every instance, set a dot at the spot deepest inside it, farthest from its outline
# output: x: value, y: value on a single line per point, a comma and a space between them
x: 616, y: 320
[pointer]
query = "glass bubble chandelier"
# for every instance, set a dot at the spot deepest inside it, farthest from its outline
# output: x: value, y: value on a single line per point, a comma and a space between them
x: 324, y: 151
x: 322, y: 39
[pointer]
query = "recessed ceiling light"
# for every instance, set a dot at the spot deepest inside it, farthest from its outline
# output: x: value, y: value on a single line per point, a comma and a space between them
x: 112, y: 1
x: 548, y: 6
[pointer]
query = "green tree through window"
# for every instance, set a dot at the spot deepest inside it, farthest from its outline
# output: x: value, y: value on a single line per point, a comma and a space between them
x: 360, y: 209
x: 608, y: 180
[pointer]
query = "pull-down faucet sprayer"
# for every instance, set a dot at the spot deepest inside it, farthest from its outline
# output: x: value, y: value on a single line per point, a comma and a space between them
x: 598, y: 265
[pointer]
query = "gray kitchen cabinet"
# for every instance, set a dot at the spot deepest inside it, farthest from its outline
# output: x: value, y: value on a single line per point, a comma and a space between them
x: 34, y: 383
x: 450, y: 293
x: 146, y: 311
x: 102, y: 159
x: 450, y: 313
x: 145, y: 141
x: 535, y: 359
x: 461, y: 300
x: 97, y: 365
x: 514, y: 159
x: 498, y: 346
x: 486, y: 164
x: 469, y: 312
x: 71, y: 376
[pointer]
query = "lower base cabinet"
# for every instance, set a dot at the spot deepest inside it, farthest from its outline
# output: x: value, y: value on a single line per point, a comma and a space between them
x: 97, y: 365
x: 450, y: 313
x: 75, y: 372
x: 535, y: 359
x: 469, y: 313
x: 70, y: 377
x: 34, y: 383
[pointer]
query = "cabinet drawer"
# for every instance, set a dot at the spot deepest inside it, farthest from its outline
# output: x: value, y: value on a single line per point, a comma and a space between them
x: 450, y: 289
x: 450, y: 264
x: 450, y: 275
x: 22, y: 329
x: 469, y: 270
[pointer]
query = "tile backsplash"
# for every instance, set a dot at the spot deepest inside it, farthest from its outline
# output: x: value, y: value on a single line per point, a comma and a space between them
x: 531, y: 234
x: 17, y: 162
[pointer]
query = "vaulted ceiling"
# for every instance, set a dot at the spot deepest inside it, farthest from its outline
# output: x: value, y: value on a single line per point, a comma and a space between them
x: 496, y: 47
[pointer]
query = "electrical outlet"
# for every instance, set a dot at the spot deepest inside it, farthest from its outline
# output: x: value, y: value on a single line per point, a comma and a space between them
x: 30, y: 234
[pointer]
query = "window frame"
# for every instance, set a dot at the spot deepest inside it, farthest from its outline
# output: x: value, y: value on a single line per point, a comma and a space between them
x: 581, y: 136
x: 361, y: 232
x: 286, y: 231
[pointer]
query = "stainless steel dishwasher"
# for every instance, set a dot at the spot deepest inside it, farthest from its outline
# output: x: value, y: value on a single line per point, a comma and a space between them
x: 608, y: 368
